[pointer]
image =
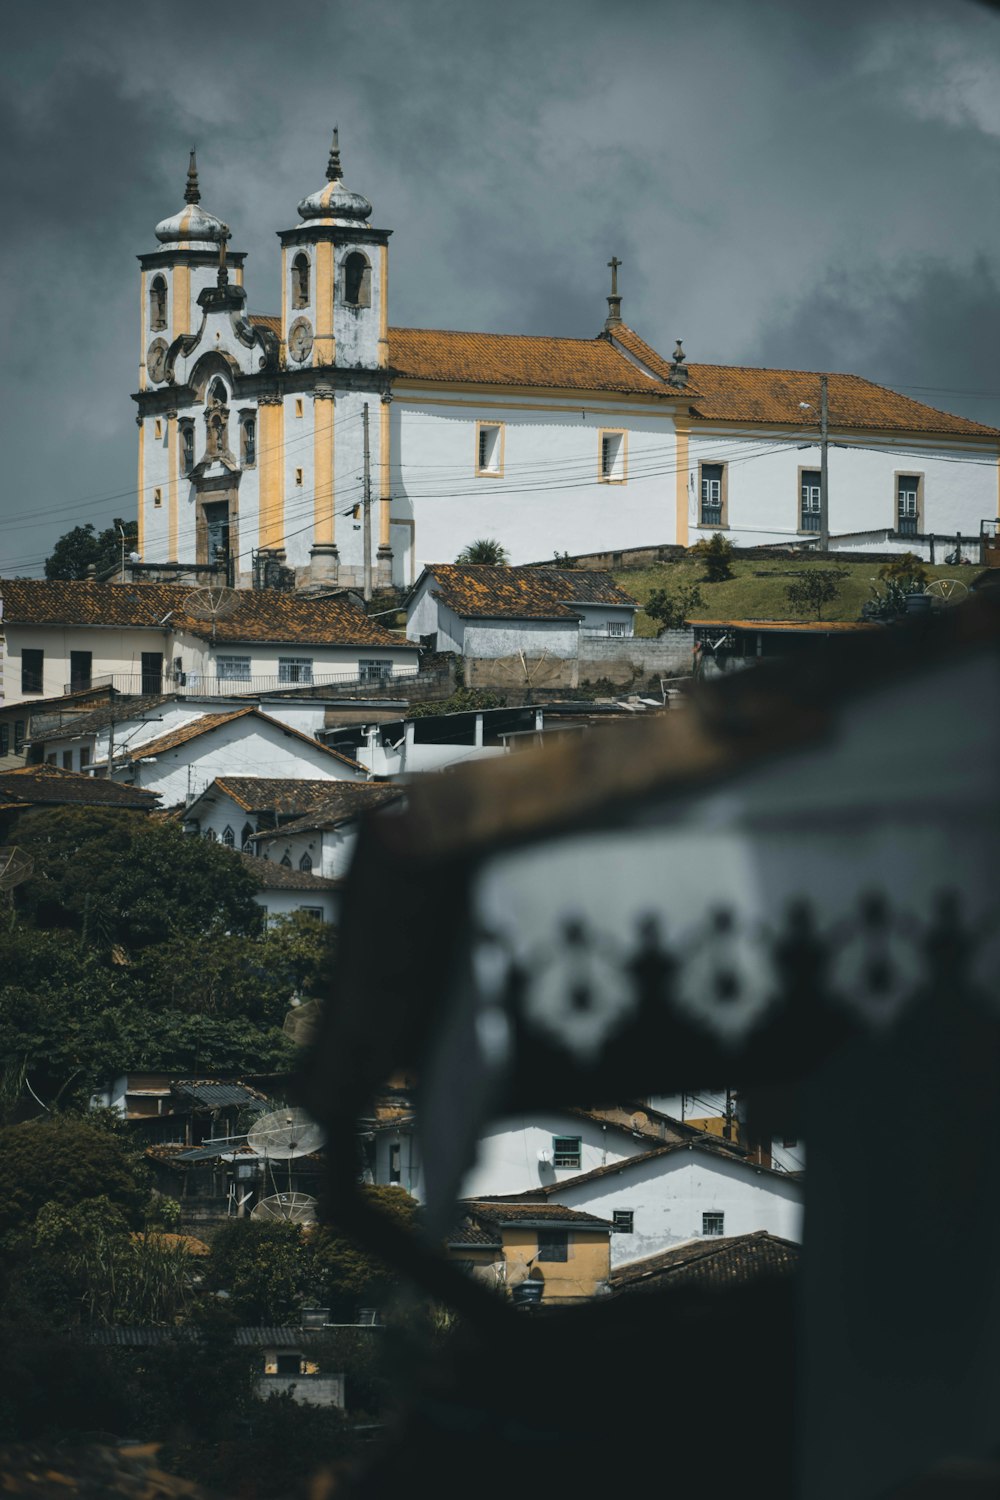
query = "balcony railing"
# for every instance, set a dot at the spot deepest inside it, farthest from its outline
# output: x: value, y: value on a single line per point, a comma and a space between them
x: 207, y: 684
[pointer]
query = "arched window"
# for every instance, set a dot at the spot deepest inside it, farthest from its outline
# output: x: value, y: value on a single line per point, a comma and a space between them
x: 187, y: 446
x: 305, y: 863
x: 211, y: 836
x: 300, y: 281
x: 286, y: 860
x: 217, y: 394
x: 246, y: 834
x: 157, y: 303
x: 357, y: 281
x: 229, y: 837
x: 248, y: 432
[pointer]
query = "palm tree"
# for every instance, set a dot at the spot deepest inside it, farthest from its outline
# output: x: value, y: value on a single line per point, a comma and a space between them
x: 485, y: 551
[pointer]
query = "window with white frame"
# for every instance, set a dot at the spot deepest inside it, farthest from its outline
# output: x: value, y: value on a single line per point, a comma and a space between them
x: 567, y: 1151
x: 712, y: 1224
x: 612, y: 457
x: 232, y: 668
x: 713, y: 495
x: 295, y: 669
x: 229, y: 837
x: 374, y: 670
x: 488, y: 448
x: 617, y: 627
x: 316, y: 912
x: 908, y: 504
x: 810, y: 492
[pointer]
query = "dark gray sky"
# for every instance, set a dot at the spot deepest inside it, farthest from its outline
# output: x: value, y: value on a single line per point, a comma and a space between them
x: 787, y: 184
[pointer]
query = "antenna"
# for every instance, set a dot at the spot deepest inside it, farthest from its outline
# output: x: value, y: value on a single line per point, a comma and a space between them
x: 285, y: 1133
x: 15, y: 865
x: 211, y: 604
x: 294, y: 1208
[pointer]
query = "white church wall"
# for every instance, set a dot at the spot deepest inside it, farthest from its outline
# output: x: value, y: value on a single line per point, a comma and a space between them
x: 301, y: 500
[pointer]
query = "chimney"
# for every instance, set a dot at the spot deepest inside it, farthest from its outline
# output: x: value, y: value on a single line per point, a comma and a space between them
x: 678, y: 369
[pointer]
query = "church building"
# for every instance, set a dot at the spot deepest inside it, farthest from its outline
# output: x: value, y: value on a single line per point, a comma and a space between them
x: 256, y: 431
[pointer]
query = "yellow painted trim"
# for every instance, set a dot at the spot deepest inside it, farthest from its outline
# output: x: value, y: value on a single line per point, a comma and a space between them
x: 323, y: 298
x: 180, y: 301
x: 172, y: 518
x: 323, y: 501
x: 681, y: 484
x: 140, y: 493
x: 496, y: 473
x: 238, y: 275
x: 383, y: 311
x: 272, y: 490
x: 602, y: 433
x: 143, y: 336
x: 385, y: 496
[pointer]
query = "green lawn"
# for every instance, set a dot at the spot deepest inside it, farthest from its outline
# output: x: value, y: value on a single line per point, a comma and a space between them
x: 757, y: 589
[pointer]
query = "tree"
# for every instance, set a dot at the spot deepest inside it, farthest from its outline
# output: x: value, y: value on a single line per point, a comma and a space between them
x: 717, y: 555
x: 65, y: 1161
x: 486, y: 552
x: 263, y: 1266
x: 82, y: 548
x: 344, y: 1274
x: 815, y: 590
x: 670, y: 611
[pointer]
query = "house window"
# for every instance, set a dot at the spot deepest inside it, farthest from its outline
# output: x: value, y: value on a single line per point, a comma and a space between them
x: 612, y: 457
x: 566, y: 1151
x: 32, y: 667
x: 80, y: 667
x: 295, y: 669
x: 553, y: 1244
x: 289, y: 1364
x: 712, y: 481
x: 357, y: 281
x: 18, y: 735
x: 809, y: 493
x: 374, y: 670
x: 157, y: 498
x: 158, y: 303
x: 908, y: 497
x: 229, y: 837
x: 623, y: 1220
x: 50, y: 760
x: 286, y: 860
x: 300, y: 281
x: 210, y: 836
x: 713, y: 1223
x: 316, y: 912
x: 84, y: 757
x: 67, y: 760
x: 789, y: 1144
x: 246, y: 834
x: 617, y: 627
x: 298, y: 476
x: 232, y: 668
x: 158, y: 428
x: 248, y: 441
x: 299, y: 408
x: 306, y: 864
x: 187, y: 446
x: 4, y: 739
x: 489, y: 449
x: 395, y: 1165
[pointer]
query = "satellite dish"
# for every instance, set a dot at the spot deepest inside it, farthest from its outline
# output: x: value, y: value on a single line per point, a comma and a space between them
x: 285, y: 1133
x: 211, y: 604
x: 946, y: 588
x: 15, y: 865
x: 294, y: 1208
x: 302, y: 1022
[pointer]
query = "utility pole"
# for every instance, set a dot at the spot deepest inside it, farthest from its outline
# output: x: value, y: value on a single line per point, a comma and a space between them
x: 367, y: 517
x: 824, y: 488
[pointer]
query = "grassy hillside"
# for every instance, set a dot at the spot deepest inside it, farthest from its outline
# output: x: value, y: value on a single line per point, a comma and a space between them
x: 757, y: 589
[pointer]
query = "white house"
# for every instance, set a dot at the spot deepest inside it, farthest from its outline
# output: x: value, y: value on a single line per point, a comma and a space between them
x: 305, y: 824
x: 149, y: 638
x: 253, y: 427
x: 681, y: 1191
x: 285, y: 890
x: 243, y: 741
x: 492, y: 611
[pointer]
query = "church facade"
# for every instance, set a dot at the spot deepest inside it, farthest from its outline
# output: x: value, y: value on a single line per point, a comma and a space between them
x: 256, y: 431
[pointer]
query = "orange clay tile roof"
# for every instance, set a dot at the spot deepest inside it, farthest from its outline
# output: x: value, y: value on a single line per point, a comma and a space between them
x: 209, y: 722
x: 721, y: 393
x: 263, y: 615
x: 278, y: 877
x: 518, y: 359
x: 488, y: 593
x: 282, y: 795
x: 267, y: 320
x: 52, y: 786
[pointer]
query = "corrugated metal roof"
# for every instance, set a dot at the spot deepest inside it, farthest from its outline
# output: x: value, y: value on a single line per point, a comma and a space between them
x: 212, y: 1094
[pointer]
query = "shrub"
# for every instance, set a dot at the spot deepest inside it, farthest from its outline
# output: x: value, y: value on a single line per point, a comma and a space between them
x: 717, y: 555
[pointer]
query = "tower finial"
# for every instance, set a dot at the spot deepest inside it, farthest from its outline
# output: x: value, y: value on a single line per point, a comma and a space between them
x: 334, y: 171
x: 192, y: 193
x: 614, y: 301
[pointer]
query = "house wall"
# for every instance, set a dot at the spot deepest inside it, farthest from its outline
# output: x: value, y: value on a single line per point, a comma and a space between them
x: 283, y: 903
x: 236, y: 749
x: 488, y: 638
x: 549, y: 495
x: 329, y: 663
x: 507, y: 1156
x: 428, y: 615
x: 584, y: 1272
x: 763, y: 493
x: 596, y: 619
x: 669, y: 1194
x: 331, y: 849
x: 114, y: 651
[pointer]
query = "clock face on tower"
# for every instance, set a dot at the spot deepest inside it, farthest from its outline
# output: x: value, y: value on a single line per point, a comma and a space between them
x: 300, y: 339
x: 156, y: 360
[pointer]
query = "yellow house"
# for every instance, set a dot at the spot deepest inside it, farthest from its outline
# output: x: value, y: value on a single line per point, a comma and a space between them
x: 565, y: 1250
